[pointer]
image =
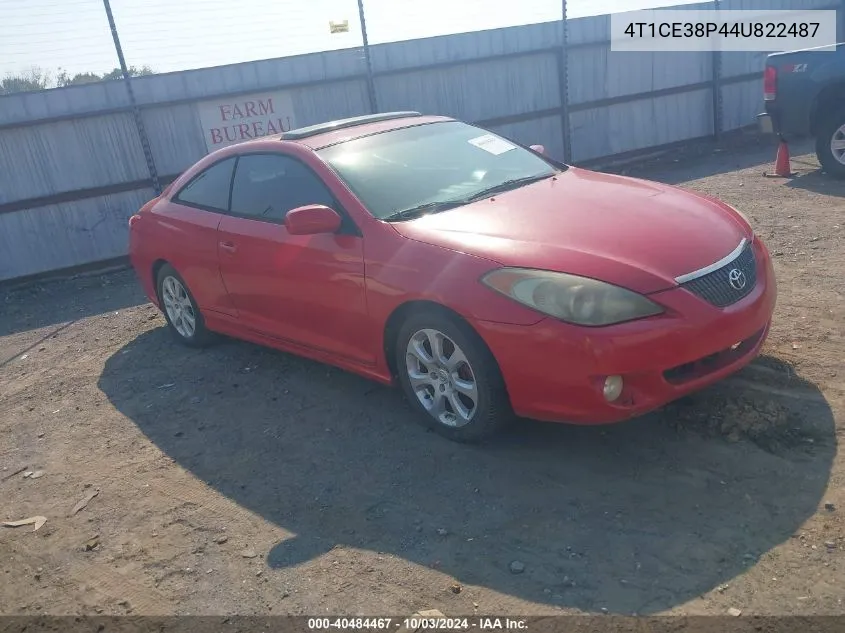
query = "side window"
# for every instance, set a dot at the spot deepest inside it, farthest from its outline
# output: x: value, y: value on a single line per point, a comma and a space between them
x: 270, y: 185
x: 209, y: 189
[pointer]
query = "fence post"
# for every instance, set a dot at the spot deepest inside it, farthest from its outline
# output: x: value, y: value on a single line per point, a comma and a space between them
x: 841, y: 13
x: 563, y: 78
x: 139, y: 122
x: 717, y: 87
x: 371, y: 84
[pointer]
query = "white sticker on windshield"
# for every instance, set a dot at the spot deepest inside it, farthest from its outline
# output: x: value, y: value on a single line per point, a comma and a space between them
x: 492, y: 144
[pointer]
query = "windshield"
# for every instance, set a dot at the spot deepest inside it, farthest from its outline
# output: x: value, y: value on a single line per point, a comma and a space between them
x: 427, y: 168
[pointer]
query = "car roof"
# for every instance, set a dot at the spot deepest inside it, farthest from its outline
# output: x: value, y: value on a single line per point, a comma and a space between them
x: 330, y: 126
x: 314, y: 137
x: 341, y: 130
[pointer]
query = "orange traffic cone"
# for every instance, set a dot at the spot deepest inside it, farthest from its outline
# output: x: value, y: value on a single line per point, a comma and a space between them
x: 782, y: 167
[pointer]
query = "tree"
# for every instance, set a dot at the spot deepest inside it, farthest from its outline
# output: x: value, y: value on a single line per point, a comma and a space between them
x: 117, y: 73
x: 37, y: 79
x: 32, y: 79
x: 63, y: 79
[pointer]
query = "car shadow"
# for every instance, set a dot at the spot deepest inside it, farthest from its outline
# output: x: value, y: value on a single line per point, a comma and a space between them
x: 631, y: 518
x: 818, y: 181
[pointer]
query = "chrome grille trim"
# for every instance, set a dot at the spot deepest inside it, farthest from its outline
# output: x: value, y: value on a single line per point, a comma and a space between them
x: 716, y: 287
x: 727, y: 259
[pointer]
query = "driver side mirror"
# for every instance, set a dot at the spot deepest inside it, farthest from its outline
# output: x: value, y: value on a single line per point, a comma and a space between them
x: 539, y: 149
x: 312, y: 219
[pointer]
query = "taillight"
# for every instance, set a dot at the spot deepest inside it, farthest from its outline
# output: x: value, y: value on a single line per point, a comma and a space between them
x: 133, y: 220
x: 770, y: 83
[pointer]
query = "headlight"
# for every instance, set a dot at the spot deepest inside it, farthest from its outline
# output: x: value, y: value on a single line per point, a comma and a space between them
x: 573, y: 299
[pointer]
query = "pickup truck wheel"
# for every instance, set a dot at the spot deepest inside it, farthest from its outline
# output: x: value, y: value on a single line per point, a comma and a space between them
x: 830, y: 144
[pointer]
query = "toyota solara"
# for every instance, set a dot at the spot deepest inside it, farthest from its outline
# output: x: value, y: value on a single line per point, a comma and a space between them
x: 482, y: 276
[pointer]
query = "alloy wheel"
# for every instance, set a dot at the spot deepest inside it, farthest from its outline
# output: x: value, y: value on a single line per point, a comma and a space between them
x: 178, y: 306
x: 837, y: 144
x: 442, y: 378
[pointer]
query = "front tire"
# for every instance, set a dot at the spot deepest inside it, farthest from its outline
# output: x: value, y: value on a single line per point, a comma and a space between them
x: 181, y: 311
x: 450, y: 377
x: 830, y: 144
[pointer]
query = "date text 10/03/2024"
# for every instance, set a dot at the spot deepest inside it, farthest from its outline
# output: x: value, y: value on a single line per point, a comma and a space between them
x: 420, y: 623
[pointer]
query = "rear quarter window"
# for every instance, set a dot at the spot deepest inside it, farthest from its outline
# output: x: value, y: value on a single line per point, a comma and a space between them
x: 210, y: 188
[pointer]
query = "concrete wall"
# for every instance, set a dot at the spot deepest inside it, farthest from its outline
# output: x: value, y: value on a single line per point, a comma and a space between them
x: 72, y: 167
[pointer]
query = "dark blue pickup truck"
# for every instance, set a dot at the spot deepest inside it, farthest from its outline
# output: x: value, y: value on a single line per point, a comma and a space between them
x: 804, y: 92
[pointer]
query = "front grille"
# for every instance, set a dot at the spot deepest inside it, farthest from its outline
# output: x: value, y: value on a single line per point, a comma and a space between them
x: 716, y: 287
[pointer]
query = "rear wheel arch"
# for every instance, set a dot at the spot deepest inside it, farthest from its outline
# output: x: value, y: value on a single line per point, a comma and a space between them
x: 201, y: 335
x: 830, y: 100
x: 828, y: 125
x: 156, y: 268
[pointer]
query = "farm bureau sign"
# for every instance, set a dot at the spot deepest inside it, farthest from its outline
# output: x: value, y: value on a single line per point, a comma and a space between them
x: 230, y: 121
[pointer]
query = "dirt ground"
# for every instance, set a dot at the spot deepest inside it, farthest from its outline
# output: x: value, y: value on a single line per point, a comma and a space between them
x: 238, y: 480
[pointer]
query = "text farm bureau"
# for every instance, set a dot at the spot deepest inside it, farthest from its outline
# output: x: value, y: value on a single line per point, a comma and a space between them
x: 232, y: 128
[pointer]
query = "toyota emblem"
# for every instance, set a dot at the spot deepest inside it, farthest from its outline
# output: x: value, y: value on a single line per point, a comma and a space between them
x: 737, y: 279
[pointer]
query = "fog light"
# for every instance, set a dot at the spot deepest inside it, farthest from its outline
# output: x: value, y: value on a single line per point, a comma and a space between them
x: 612, y: 388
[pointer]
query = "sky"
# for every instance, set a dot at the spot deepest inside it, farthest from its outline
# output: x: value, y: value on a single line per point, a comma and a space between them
x: 170, y: 35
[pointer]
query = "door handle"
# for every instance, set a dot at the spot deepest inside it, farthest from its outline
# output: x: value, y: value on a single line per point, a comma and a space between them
x: 229, y: 247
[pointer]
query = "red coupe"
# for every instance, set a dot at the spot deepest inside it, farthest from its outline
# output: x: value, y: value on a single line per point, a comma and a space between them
x: 485, y: 277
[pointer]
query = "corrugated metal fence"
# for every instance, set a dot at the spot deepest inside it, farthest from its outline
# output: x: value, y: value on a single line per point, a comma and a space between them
x: 72, y: 167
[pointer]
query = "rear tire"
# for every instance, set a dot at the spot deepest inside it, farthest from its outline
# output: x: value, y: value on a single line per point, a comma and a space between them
x: 450, y: 377
x: 184, y: 319
x: 832, y: 131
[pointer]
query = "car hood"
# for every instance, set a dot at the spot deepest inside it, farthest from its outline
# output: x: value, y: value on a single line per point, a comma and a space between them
x: 637, y: 234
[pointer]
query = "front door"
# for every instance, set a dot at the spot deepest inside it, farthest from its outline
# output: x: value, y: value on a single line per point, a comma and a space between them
x: 307, y: 289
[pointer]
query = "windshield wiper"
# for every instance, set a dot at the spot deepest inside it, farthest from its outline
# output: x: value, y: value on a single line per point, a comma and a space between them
x: 423, y: 209
x: 437, y: 207
x: 514, y: 183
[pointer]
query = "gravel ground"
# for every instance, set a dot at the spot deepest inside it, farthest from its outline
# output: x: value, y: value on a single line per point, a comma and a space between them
x: 238, y: 480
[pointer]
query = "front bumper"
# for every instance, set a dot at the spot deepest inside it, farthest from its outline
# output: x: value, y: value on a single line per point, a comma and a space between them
x: 555, y: 371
